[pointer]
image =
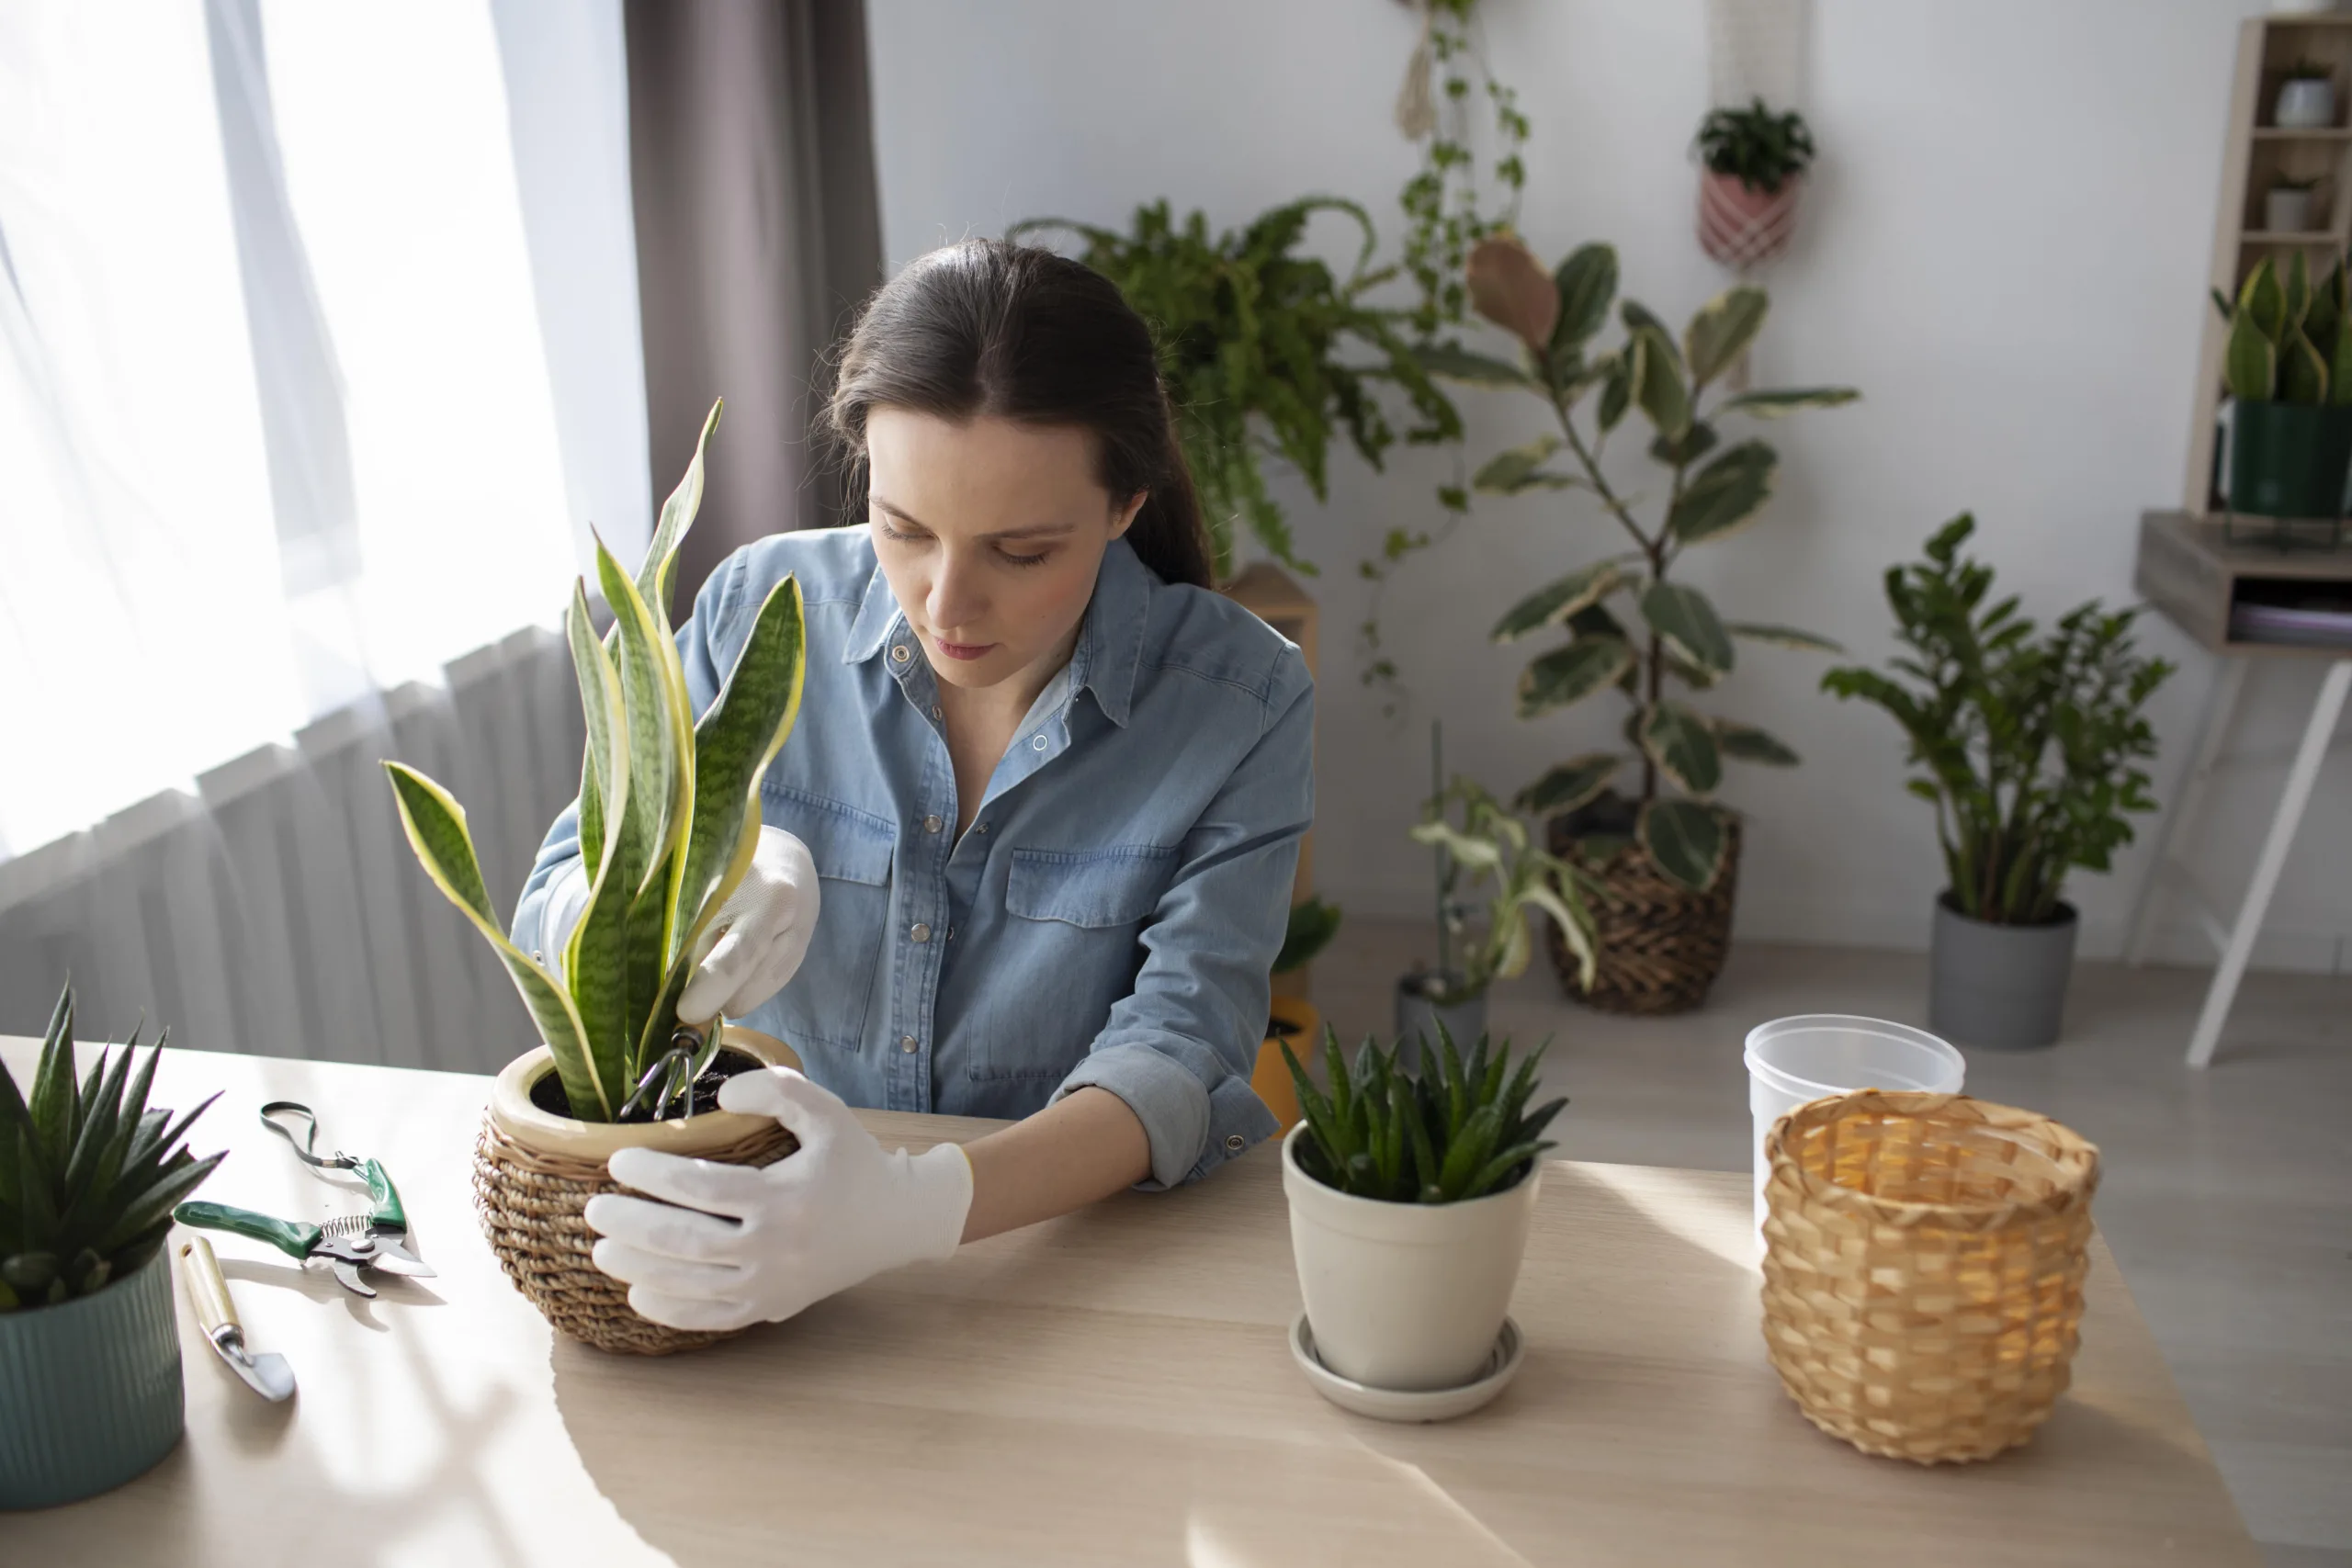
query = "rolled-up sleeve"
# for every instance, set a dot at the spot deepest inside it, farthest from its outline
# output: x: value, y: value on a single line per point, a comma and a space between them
x: 1179, y: 1049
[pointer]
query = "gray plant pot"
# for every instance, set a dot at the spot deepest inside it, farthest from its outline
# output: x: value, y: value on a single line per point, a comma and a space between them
x: 1999, y: 987
x: 90, y: 1389
x: 1417, y: 1019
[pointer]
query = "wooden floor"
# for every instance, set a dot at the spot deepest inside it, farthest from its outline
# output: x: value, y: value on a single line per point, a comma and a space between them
x: 2226, y: 1194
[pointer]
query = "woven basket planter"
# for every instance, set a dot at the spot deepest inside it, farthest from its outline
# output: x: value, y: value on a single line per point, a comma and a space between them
x: 533, y: 1173
x: 1922, y: 1269
x: 1660, y: 945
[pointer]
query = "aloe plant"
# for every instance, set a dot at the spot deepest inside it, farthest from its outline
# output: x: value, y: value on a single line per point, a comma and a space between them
x: 88, y: 1173
x: 669, y: 817
x: 1668, y: 631
x: 1444, y: 1136
x: 2289, y: 341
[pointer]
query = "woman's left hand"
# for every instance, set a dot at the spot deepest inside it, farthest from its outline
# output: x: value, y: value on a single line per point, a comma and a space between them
x: 733, y: 1244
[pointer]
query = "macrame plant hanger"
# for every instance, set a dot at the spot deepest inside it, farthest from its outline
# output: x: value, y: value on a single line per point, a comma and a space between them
x: 1755, y: 50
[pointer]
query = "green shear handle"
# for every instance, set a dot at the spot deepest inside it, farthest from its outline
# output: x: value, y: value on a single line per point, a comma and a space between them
x: 292, y: 1238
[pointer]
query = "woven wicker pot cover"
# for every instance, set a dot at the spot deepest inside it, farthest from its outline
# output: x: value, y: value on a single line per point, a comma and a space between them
x: 1923, y: 1268
x: 1660, y: 945
x: 534, y: 1174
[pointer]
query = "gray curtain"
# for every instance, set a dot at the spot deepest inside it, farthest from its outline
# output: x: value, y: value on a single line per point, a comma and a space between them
x: 758, y: 234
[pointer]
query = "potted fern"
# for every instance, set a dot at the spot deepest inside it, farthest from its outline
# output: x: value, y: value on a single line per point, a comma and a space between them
x: 89, y: 1346
x: 2029, y: 745
x: 1665, y: 851
x: 1411, y: 1195
x: 668, y: 817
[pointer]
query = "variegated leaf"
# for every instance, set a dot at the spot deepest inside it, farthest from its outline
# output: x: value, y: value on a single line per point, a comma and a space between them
x: 1566, y: 785
x: 1506, y: 472
x: 1555, y: 603
x: 1683, y: 745
x: 655, y: 577
x: 1682, y: 615
x: 1569, y: 674
x: 1685, y: 840
x: 1724, y: 494
x: 1721, y: 331
x: 1749, y: 744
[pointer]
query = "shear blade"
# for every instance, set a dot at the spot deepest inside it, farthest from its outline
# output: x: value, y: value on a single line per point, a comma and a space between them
x: 394, y: 1258
x: 349, y: 1274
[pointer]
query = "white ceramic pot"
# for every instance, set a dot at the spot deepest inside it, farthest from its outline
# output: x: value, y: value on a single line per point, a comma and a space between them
x: 2304, y: 103
x: 1405, y: 1296
x: 2286, y: 210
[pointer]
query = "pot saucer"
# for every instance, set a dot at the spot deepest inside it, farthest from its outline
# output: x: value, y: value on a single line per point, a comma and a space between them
x: 1395, y: 1405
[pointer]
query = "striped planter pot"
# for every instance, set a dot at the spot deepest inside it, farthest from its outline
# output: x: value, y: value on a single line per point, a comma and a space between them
x: 1739, y: 225
x: 91, y: 1390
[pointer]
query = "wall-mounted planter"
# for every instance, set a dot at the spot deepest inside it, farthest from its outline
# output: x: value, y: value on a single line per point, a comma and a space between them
x: 1740, y: 225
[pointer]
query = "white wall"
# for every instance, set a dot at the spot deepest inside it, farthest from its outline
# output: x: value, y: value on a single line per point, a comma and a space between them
x: 2004, y: 248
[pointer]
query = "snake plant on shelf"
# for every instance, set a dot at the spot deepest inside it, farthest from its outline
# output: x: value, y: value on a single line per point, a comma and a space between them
x: 668, y: 817
x: 1668, y: 629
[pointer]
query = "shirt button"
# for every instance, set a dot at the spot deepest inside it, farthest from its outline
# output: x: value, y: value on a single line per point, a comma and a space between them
x: 1036, y: 742
x: 980, y: 827
x: 935, y: 710
x: 921, y: 932
x: 933, y: 824
x: 907, y: 1043
x: 1235, y: 1142
x: 898, y: 654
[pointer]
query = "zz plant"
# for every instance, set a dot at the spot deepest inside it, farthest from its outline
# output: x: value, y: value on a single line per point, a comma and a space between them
x: 88, y: 1173
x: 2027, y: 744
x: 1461, y: 1132
x: 1625, y: 622
x: 669, y: 817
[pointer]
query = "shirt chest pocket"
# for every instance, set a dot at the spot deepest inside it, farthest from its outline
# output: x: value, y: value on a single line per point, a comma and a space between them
x: 828, y: 1001
x: 1071, y: 955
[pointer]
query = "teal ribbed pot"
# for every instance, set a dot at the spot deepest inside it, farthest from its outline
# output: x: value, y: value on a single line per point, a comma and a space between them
x: 90, y: 1390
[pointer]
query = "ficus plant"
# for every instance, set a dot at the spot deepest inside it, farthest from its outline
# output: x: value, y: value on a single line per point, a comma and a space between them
x: 89, y: 1173
x: 1458, y: 1131
x: 668, y: 818
x: 1266, y: 353
x: 2291, y: 342
x: 2027, y: 743
x: 1623, y: 622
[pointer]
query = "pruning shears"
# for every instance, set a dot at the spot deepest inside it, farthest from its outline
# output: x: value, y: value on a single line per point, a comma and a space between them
x: 378, y: 1239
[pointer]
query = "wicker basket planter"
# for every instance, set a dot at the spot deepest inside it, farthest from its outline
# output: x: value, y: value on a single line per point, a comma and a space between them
x: 535, y: 1171
x: 1661, y: 945
x: 1922, y: 1269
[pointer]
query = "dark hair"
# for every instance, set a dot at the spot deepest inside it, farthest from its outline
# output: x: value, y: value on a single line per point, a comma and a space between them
x: 987, y: 327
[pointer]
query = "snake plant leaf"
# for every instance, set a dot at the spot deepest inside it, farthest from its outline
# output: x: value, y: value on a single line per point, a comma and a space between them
x: 659, y: 721
x: 605, y: 777
x: 2264, y: 301
x: 1455, y: 363
x: 2321, y: 317
x: 1682, y: 744
x: 2298, y: 295
x: 2302, y: 374
x: 1507, y: 472
x: 1727, y: 493
x: 1720, y: 332
x: 1570, y: 674
x: 1685, y: 840
x: 655, y: 577
x: 2339, y: 370
x: 2249, y: 361
x: 1617, y: 385
x: 1663, y: 395
x: 735, y: 742
x: 1555, y: 601
x: 1682, y: 615
x: 1586, y: 282
x: 1782, y: 636
x: 1751, y: 744
x: 1779, y: 402
x: 1566, y: 785
x: 436, y: 826
x: 1697, y: 440
x: 604, y: 985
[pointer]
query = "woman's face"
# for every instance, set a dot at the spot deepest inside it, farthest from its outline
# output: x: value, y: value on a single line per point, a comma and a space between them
x: 991, y: 534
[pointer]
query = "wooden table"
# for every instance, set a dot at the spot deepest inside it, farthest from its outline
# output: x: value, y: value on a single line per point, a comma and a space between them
x: 1112, y: 1387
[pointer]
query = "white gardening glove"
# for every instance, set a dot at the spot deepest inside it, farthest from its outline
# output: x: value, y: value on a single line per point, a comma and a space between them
x: 768, y: 1241
x: 761, y: 935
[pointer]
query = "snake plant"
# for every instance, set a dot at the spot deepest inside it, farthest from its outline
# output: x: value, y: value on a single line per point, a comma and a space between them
x: 2291, y: 340
x: 88, y: 1174
x: 668, y: 817
x: 1460, y: 1132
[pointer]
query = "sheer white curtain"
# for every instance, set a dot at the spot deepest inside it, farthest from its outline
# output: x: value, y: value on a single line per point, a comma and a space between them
x: 318, y: 357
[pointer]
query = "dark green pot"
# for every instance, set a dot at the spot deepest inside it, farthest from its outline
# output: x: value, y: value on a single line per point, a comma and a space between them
x: 89, y: 1391
x: 2289, y: 459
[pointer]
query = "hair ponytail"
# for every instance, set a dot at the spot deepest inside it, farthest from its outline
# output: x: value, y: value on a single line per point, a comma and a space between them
x: 990, y: 328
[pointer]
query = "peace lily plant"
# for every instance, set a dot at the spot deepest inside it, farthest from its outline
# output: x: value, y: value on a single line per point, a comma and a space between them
x: 669, y: 819
x: 1626, y: 623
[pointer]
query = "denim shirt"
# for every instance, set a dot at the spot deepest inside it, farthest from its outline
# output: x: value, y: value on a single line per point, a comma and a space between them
x: 1111, y: 914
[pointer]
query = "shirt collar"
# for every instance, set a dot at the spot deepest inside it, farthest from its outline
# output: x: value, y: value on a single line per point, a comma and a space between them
x: 1110, y: 641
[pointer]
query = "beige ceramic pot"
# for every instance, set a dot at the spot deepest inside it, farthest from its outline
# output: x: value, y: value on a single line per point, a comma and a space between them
x: 535, y: 1171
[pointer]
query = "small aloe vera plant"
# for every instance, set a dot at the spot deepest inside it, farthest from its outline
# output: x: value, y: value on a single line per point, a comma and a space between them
x: 669, y: 817
x: 1396, y: 1137
x: 88, y: 1174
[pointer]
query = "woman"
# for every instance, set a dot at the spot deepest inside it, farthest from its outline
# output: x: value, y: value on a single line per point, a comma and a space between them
x: 1029, y: 852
